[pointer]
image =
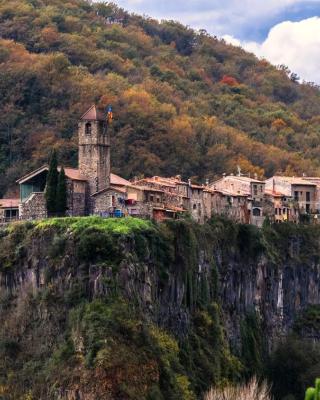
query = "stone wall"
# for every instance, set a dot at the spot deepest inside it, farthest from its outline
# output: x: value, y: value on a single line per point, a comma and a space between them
x: 77, y: 198
x: 34, y: 207
x: 197, y: 207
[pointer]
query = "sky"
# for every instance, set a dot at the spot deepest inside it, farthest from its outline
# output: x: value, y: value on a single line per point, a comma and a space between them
x: 283, y: 31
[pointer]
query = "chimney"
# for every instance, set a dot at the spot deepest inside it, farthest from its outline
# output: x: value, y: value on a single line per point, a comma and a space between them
x: 224, y: 174
x: 189, y: 182
x: 207, y: 182
x: 256, y: 176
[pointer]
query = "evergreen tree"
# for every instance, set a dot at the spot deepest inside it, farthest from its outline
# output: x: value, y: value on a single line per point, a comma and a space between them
x: 61, y: 198
x: 52, y: 183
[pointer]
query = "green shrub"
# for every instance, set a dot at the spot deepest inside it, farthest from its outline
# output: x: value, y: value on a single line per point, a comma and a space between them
x: 293, y: 366
x: 58, y: 246
x: 95, y: 245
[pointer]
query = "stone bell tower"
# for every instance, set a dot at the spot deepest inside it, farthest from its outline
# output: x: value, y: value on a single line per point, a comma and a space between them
x: 94, y: 149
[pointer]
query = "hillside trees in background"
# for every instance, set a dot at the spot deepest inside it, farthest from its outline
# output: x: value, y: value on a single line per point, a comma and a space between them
x: 184, y: 102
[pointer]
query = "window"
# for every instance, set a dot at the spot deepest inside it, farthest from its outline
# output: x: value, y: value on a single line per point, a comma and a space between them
x: 256, y: 212
x: 308, y: 208
x: 88, y: 128
x: 296, y: 196
x: 11, y: 214
x: 158, y: 199
x: 194, y: 206
x: 276, y: 211
x: 151, y: 197
x: 255, y: 190
x: 279, y: 211
x: 307, y: 196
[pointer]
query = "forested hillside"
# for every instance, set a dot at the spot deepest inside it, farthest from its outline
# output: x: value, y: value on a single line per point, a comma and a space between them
x: 184, y: 102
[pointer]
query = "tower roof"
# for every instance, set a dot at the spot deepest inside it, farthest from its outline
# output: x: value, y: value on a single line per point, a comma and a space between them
x: 93, y: 114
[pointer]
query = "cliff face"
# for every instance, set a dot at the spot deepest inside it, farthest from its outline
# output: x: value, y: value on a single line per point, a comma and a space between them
x: 172, y: 296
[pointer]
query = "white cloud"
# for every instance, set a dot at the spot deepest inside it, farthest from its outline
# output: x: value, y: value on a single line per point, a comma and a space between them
x: 295, y: 44
x: 218, y: 17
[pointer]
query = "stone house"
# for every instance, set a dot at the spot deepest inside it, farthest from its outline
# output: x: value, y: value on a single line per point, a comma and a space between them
x: 245, y: 195
x: 316, y: 181
x: 110, y: 201
x: 32, y: 188
x: 279, y: 207
x: 302, y: 192
x: 196, y: 202
x: 9, y: 210
x: 151, y: 202
x: 230, y: 205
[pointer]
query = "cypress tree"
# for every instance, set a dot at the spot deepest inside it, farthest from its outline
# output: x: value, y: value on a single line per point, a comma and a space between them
x: 61, y: 193
x: 51, y: 184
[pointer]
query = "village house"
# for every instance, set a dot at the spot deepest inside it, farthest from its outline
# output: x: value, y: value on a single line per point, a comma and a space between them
x: 243, y: 198
x: 316, y: 181
x: 9, y: 210
x: 231, y: 205
x: 197, y: 202
x: 279, y: 207
x: 299, y: 195
x: 166, y: 197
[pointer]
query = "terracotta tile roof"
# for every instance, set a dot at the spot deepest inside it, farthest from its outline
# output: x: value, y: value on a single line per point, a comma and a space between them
x: 274, y: 193
x: 164, y: 181
x: 116, y: 189
x: 197, y: 187
x: 145, y: 188
x: 9, y: 203
x: 118, y: 181
x: 226, y: 192
x: 293, y: 180
x: 245, y: 179
x: 208, y: 190
x: 157, y: 181
x: 93, y: 114
x: 73, y: 174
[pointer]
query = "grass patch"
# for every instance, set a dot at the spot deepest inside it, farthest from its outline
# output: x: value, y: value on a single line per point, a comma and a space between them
x: 123, y: 226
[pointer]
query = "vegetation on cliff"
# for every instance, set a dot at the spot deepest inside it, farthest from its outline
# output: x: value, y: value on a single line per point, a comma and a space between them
x: 184, y: 102
x: 103, y: 337
x: 132, y: 310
